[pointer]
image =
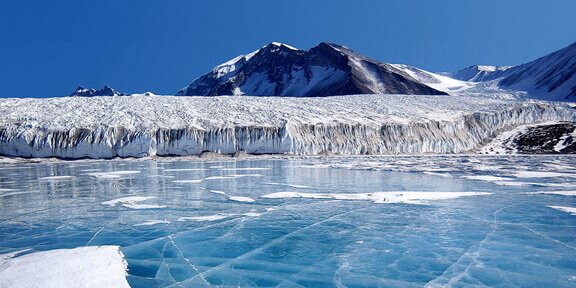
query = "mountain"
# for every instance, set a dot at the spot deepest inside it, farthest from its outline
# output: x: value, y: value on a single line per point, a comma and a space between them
x: 105, y: 91
x: 552, y: 77
x: 328, y: 69
x: 480, y: 73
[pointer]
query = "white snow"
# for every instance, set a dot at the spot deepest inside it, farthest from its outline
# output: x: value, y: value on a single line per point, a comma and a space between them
x: 285, y: 45
x: 203, y: 218
x: 56, y: 178
x: 489, y: 178
x: 562, y: 143
x: 436, y: 81
x: 153, y: 222
x: 189, y: 181
x: 241, y: 199
x: 571, y: 210
x: 561, y: 193
x: 408, y: 197
x: 112, y: 175
x: 133, y: 202
x: 542, y: 174
x: 84, y: 267
x: 288, y: 185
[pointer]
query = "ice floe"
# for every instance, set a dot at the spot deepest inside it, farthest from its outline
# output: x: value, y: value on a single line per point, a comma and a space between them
x: 133, y: 202
x: 542, y: 174
x: 56, y: 178
x: 571, y: 210
x: 562, y: 193
x: 112, y: 175
x: 289, y: 185
x: 189, y: 181
x: 203, y: 218
x: 241, y: 199
x: 84, y: 267
x: 408, y: 197
x: 153, y: 222
x: 489, y: 178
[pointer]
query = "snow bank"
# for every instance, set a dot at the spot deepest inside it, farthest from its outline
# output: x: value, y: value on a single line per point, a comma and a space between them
x: 85, y: 267
x: 138, y: 126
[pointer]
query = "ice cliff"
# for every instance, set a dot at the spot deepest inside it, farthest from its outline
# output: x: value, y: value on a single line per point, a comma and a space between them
x: 138, y: 126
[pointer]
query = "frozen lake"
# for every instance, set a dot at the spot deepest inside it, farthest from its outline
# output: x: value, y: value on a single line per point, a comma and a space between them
x: 319, y: 222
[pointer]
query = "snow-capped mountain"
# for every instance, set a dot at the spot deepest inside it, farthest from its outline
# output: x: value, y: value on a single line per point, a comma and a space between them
x: 328, y: 69
x: 105, y: 91
x: 552, y: 77
x: 480, y: 73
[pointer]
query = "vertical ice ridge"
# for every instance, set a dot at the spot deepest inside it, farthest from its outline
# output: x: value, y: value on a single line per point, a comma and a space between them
x: 465, y: 134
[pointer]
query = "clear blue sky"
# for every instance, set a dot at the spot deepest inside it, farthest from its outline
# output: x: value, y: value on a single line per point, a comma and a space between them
x: 50, y: 47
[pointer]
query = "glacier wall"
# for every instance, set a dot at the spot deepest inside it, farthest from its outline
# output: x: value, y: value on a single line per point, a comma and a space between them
x: 462, y: 133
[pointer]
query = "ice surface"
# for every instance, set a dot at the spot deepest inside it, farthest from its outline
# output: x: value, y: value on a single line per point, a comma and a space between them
x: 84, y: 267
x: 469, y: 233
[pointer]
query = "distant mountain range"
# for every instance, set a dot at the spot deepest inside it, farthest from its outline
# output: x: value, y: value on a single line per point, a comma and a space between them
x: 330, y: 69
x: 105, y: 91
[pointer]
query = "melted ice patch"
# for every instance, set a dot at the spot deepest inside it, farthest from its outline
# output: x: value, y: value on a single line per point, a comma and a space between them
x: 571, y: 210
x: 132, y: 202
x: 112, y: 175
x: 87, y: 267
x: 379, y: 197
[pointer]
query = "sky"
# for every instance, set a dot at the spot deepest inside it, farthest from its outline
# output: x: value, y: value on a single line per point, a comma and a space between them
x: 48, y: 48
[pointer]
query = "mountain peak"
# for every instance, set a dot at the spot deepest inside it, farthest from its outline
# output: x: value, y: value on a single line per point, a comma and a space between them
x: 89, y: 92
x: 328, y: 69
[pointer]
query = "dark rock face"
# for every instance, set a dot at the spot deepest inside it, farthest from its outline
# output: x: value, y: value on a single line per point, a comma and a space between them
x: 547, y: 139
x: 105, y: 91
x: 325, y: 70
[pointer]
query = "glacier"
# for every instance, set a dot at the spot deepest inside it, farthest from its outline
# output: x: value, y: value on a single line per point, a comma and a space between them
x: 140, y: 126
